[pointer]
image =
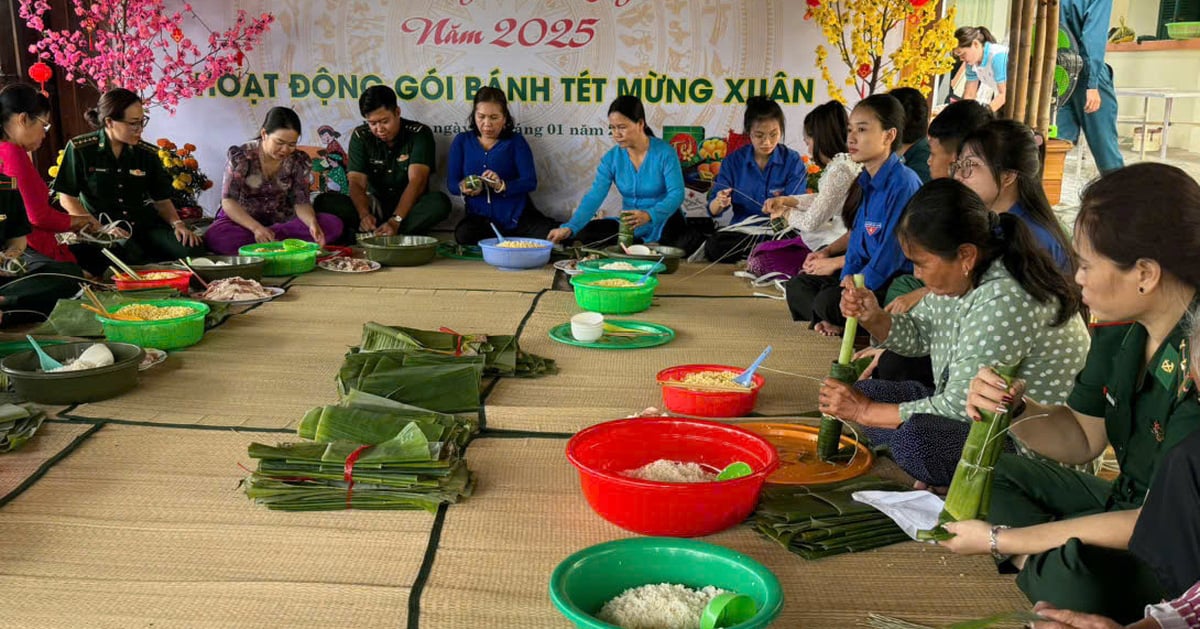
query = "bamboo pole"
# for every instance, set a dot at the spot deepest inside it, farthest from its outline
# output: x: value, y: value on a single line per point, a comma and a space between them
x: 1051, y: 60
x: 1014, y: 35
x: 1028, y: 13
x: 1033, y: 101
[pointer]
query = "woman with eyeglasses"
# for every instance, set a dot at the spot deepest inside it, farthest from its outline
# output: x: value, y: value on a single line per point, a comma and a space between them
x: 28, y: 224
x: 1000, y: 162
x: 1137, y: 236
x: 995, y: 298
x: 113, y: 175
x: 265, y: 195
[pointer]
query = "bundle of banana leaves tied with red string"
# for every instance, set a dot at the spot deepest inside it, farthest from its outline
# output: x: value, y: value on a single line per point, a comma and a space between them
x: 367, y: 453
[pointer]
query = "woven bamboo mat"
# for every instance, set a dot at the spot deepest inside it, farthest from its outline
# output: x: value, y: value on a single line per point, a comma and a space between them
x: 497, y: 549
x: 596, y: 385
x: 442, y: 273
x: 266, y: 368
x: 146, y: 526
x: 528, y: 514
x: 706, y: 280
x: 17, y: 468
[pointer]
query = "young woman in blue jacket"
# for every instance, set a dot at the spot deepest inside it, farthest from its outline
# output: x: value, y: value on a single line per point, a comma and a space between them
x: 647, y: 174
x: 872, y: 248
x: 761, y: 170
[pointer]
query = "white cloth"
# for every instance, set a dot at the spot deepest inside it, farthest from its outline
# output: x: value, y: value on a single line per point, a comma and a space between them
x: 912, y: 511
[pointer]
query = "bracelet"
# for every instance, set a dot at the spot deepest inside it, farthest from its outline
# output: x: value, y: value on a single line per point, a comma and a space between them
x: 177, y: 222
x: 994, y: 539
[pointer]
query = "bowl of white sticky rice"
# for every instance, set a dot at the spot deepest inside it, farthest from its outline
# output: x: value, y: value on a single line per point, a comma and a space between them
x: 659, y: 583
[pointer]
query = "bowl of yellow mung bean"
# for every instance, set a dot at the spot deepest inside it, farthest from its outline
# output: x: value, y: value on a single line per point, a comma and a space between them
x: 159, y: 323
x: 708, y: 391
x: 516, y: 254
x: 614, y: 293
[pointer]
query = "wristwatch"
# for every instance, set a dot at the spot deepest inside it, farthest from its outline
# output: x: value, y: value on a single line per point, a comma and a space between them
x: 397, y: 219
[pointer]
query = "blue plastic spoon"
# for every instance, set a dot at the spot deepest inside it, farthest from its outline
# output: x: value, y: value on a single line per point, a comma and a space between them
x: 499, y: 236
x: 745, y: 378
x: 48, y: 364
x: 642, y: 280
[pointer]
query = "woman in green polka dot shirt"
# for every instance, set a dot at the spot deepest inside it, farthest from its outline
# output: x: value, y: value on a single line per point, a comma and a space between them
x: 996, y: 297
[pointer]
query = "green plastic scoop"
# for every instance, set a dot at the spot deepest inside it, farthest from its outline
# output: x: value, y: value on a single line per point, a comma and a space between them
x: 737, y: 469
x: 727, y: 610
x: 294, y: 244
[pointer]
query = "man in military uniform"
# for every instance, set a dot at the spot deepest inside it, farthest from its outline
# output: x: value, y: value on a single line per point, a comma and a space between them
x: 391, y: 160
x: 112, y: 172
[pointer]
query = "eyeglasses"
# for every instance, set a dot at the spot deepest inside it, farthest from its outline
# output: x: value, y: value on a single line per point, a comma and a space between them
x: 45, y: 124
x: 137, y: 124
x: 963, y: 168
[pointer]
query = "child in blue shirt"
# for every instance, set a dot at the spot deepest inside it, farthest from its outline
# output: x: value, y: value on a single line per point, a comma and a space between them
x: 647, y: 174
x: 491, y: 166
x: 761, y: 170
x: 886, y: 185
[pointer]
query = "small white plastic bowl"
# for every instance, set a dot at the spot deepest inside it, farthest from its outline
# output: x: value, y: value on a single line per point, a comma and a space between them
x: 587, y: 326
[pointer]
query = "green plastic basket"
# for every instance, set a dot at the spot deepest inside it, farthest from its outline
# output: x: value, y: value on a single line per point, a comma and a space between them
x: 613, y: 300
x: 166, y: 334
x: 1183, y: 30
x: 297, y: 259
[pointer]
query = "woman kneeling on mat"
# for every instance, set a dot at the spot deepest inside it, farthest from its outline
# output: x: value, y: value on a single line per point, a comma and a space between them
x: 266, y: 193
x: 996, y: 298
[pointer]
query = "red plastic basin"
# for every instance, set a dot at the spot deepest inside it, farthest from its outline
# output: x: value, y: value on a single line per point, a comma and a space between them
x: 707, y: 403
x: 179, y: 280
x: 603, y: 452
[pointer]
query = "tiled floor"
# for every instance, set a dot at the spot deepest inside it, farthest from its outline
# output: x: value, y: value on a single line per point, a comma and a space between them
x: 1076, y: 177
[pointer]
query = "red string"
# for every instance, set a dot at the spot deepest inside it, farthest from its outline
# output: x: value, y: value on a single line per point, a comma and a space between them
x: 458, y: 339
x: 348, y: 472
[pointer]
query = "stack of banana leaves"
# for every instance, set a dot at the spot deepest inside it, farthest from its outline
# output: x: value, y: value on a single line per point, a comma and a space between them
x: 18, y: 422
x: 816, y: 522
x: 502, y: 356
x: 367, y: 453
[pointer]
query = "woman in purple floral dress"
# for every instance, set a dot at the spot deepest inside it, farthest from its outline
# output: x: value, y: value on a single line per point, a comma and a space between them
x: 265, y: 195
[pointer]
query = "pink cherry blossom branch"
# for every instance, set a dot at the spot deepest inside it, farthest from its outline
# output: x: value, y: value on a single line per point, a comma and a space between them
x: 128, y: 43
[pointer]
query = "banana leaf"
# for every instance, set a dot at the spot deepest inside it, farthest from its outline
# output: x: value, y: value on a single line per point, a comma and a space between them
x: 406, y: 472
x: 68, y: 319
x: 445, y: 384
x: 817, y: 522
x: 829, y: 436
x: 368, y: 401
x: 18, y: 423
x: 325, y: 424
x: 502, y: 355
x: 970, y: 493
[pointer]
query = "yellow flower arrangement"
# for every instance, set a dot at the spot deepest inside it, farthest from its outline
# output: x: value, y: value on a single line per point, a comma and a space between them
x: 858, y: 33
x: 186, y: 178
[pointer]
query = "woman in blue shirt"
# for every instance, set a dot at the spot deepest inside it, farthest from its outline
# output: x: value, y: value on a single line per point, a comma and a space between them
x: 647, y: 174
x: 986, y: 61
x: 491, y: 166
x: 886, y: 185
x: 761, y: 170
x: 1000, y: 163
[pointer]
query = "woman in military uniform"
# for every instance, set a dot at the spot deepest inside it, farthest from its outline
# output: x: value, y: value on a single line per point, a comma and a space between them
x: 111, y: 171
x: 1069, y: 529
x: 29, y: 280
